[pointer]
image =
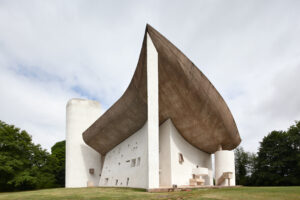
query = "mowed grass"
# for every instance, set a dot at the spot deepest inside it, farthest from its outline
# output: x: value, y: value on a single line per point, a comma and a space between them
x: 239, y: 193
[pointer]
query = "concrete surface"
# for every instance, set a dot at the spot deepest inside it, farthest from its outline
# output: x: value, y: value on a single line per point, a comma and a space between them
x: 224, y: 162
x: 171, y: 145
x: 80, y: 158
x: 126, y: 165
x: 153, y: 116
x: 118, y: 169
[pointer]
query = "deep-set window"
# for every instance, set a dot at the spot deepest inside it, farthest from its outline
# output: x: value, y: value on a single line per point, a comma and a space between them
x: 91, y: 170
x: 181, y: 160
x: 127, y: 182
x: 138, y: 161
x: 133, y: 162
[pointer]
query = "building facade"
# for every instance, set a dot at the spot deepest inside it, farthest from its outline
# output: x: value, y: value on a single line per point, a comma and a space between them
x: 162, y: 132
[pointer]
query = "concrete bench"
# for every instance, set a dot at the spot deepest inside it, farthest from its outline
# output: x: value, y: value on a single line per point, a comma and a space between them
x: 198, y: 173
x: 225, y: 175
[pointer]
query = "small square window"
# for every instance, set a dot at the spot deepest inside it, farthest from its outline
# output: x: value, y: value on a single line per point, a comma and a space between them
x: 91, y: 170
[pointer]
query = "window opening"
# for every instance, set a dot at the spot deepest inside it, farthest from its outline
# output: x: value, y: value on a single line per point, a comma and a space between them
x: 91, y: 170
x: 181, y: 160
x: 133, y: 161
x: 138, y: 161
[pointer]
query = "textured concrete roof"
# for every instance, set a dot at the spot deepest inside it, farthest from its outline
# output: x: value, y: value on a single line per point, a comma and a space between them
x: 186, y: 96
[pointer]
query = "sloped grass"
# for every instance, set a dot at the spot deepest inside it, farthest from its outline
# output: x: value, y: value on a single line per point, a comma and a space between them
x: 257, y: 193
x: 240, y: 193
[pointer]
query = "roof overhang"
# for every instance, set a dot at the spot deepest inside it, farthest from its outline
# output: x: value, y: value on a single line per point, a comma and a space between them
x: 186, y: 96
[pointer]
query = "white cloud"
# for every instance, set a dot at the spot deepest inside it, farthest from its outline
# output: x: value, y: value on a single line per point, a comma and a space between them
x: 51, y: 51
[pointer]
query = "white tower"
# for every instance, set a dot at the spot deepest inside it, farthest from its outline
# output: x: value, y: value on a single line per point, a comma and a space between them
x: 83, y: 164
x: 224, y: 168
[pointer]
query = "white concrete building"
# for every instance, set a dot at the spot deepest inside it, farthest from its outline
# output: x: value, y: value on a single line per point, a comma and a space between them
x: 161, y: 133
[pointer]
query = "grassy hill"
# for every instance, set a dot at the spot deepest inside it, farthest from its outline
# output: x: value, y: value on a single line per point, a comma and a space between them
x: 240, y: 193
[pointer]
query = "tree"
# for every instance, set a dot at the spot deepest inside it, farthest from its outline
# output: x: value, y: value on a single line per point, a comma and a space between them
x: 58, y: 151
x: 278, y: 160
x: 244, y: 166
x: 23, y: 165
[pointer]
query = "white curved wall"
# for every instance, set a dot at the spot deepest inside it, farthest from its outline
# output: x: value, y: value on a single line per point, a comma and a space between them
x: 80, y: 114
x: 171, y: 171
x: 165, y: 172
x: 119, y: 170
x: 224, y: 162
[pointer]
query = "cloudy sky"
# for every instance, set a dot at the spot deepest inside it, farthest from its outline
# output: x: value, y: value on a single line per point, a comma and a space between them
x: 52, y: 51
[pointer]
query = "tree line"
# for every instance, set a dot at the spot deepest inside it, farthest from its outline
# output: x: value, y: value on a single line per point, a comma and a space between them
x: 25, y: 165
x: 277, y: 162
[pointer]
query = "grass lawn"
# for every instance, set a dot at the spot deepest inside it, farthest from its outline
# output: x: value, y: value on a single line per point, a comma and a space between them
x: 241, y: 193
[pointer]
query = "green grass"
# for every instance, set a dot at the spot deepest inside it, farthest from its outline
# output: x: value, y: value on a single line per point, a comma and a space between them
x: 239, y: 193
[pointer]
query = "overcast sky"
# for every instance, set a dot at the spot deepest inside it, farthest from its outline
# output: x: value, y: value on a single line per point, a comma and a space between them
x: 52, y: 51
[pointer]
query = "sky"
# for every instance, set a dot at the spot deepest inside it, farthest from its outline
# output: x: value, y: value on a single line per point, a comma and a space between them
x: 52, y: 51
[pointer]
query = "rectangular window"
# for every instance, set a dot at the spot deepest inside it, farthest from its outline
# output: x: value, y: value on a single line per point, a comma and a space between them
x: 181, y: 160
x: 138, y: 161
x: 133, y: 162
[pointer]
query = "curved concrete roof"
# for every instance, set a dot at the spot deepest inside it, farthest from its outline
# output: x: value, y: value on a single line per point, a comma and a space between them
x: 186, y: 96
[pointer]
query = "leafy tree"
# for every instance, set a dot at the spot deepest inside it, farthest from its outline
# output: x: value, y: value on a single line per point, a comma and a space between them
x: 278, y: 160
x: 58, y: 152
x: 23, y: 165
x: 244, y: 166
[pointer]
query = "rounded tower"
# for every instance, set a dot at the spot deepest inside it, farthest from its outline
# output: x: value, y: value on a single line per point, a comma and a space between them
x: 83, y: 164
x: 224, y: 168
